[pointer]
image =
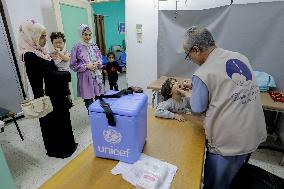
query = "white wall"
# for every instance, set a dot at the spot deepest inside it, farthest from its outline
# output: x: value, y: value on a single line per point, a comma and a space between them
x: 18, y: 11
x: 141, y: 57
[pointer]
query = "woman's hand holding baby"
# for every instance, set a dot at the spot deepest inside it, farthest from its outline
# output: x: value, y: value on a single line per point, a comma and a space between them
x: 56, y: 57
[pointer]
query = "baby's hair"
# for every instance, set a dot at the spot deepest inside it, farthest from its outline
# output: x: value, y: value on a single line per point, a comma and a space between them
x: 166, y: 89
x: 111, y: 53
x: 56, y: 35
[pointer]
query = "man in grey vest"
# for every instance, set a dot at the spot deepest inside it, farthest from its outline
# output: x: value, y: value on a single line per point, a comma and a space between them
x: 225, y: 89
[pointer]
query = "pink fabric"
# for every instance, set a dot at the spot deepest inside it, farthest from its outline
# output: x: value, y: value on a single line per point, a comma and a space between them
x: 29, y: 35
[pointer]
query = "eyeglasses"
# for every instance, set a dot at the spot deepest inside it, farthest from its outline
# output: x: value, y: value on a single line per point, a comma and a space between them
x: 187, y: 54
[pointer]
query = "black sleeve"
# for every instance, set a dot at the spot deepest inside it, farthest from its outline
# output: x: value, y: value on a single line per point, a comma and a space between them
x: 39, y: 70
x: 35, y: 74
x: 45, y: 67
x: 118, y: 67
x: 63, y: 76
x: 107, y: 66
x: 39, y: 63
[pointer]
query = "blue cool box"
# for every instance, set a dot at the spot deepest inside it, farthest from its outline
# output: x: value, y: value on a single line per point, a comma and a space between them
x: 126, y: 140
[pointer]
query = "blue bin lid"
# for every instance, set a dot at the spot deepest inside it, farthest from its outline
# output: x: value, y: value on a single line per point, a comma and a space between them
x: 128, y: 105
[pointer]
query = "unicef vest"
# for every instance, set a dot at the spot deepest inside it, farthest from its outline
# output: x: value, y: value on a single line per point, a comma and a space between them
x: 234, y: 122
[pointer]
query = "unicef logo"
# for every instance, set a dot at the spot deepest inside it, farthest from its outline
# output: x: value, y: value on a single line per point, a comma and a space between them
x: 112, y: 136
x: 238, y: 72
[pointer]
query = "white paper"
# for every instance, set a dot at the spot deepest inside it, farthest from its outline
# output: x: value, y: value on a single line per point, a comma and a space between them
x: 130, y: 175
x: 2, y: 123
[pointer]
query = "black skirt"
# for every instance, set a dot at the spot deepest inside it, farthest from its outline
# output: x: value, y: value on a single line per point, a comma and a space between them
x: 57, y: 130
x: 56, y: 127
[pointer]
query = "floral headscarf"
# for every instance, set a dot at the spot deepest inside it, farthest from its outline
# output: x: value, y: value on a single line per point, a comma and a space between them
x: 92, y: 54
x: 82, y: 29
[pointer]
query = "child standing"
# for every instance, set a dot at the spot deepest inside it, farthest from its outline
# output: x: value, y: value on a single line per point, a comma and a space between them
x: 60, y: 56
x: 112, y: 70
x: 175, y: 101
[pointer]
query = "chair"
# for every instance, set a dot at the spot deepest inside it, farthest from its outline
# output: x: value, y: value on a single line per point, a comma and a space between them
x: 115, y: 48
x: 104, y: 60
x: 122, y: 60
x: 274, y: 139
x: 4, y: 114
x: 253, y: 177
x: 104, y: 63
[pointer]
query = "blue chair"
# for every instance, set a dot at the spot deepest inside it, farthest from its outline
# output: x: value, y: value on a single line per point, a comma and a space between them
x: 104, y: 63
x: 104, y: 60
x: 122, y: 59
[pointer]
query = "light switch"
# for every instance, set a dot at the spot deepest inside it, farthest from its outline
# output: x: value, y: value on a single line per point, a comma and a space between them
x: 139, y: 33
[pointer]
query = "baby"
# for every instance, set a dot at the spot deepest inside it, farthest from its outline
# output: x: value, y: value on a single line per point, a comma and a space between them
x: 175, y: 101
x: 60, y: 56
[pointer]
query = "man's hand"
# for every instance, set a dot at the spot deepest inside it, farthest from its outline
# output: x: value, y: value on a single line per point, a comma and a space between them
x: 184, y: 93
x: 179, y: 117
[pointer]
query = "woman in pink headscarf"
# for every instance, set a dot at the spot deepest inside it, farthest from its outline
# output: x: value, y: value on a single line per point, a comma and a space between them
x: 45, y: 78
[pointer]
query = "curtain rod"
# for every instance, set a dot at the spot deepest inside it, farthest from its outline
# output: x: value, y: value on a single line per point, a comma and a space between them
x: 101, y: 15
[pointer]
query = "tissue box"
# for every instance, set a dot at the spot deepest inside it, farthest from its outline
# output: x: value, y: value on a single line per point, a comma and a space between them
x: 125, y: 141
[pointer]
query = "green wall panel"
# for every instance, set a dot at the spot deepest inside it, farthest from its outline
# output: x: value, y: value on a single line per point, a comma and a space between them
x: 115, y: 13
x: 6, y: 181
x: 72, y: 17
